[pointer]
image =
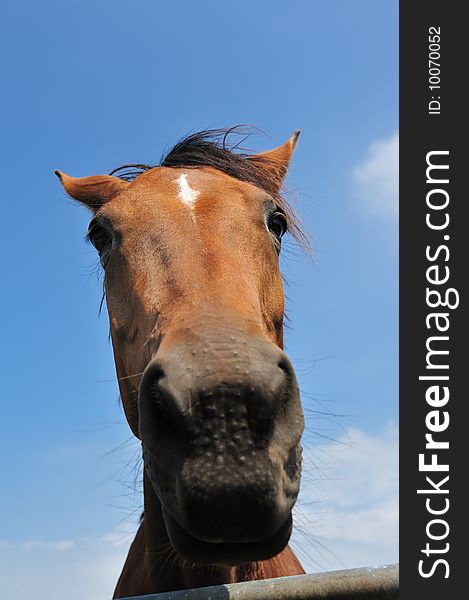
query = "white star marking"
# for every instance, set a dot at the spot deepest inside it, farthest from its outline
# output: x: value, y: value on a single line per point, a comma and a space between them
x: 186, y: 193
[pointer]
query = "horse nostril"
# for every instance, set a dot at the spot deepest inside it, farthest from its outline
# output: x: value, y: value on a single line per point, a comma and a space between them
x: 162, y: 405
x: 161, y: 410
x: 288, y: 375
x: 285, y: 365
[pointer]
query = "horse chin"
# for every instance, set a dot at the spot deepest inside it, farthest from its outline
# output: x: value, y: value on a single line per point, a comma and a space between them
x: 195, y: 550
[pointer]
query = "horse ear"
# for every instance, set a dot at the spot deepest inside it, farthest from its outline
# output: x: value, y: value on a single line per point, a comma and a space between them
x: 92, y: 191
x: 275, y: 162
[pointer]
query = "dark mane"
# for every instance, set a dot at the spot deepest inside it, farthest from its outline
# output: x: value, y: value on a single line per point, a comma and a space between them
x: 217, y: 148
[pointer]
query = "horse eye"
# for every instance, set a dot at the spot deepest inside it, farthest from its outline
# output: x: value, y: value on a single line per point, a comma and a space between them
x: 278, y: 225
x: 99, y: 236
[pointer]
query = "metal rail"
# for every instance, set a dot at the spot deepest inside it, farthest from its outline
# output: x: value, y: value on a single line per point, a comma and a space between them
x: 368, y: 583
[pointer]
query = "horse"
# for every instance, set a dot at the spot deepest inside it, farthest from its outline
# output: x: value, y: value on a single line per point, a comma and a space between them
x: 190, y: 251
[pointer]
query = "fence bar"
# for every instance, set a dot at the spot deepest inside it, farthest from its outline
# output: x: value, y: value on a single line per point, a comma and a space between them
x: 368, y: 583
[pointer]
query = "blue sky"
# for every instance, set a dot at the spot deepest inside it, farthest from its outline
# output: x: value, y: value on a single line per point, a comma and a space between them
x: 89, y: 86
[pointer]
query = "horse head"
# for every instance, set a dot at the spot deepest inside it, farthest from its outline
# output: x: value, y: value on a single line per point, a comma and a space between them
x: 196, y: 305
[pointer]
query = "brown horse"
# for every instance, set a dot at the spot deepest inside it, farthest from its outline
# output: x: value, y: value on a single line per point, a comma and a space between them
x: 195, y: 299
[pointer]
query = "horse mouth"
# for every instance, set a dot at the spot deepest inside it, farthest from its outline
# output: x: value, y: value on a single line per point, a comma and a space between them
x: 225, y: 553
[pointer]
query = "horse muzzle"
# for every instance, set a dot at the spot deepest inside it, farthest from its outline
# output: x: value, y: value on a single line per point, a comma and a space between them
x: 221, y: 434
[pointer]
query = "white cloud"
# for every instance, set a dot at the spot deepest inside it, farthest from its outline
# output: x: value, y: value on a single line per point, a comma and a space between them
x: 347, y: 514
x: 58, y: 546
x: 83, y: 569
x: 376, y: 178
